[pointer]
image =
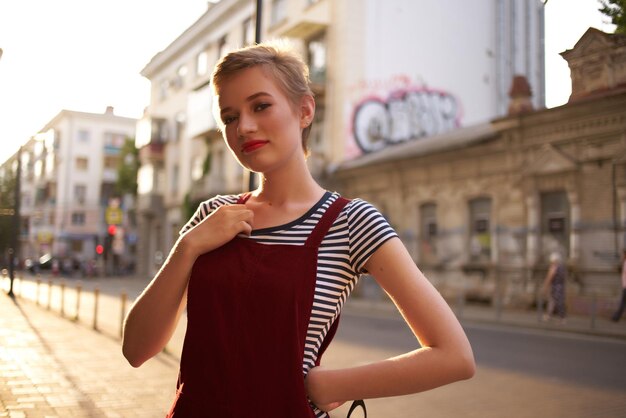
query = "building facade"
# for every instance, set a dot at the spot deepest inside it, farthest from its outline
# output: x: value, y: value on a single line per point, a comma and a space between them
x: 383, y: 73
x: 482, y: 208
x: 69, y: 171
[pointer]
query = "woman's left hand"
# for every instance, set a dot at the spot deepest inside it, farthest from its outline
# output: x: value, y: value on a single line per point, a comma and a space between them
x: 313, y: 384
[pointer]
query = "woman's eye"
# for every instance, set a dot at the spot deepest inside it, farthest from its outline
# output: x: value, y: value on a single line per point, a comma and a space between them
x: 261, y: 106
x: 228, y: 119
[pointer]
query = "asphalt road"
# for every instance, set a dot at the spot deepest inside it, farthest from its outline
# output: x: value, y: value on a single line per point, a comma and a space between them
x: 521, y: 373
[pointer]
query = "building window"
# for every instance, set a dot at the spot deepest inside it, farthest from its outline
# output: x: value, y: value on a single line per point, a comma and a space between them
x: 480, y: 230
x: 316, y: 55
x: 113, y: 142
x: 278, y: 12
x: 428, y: 233
x: 249, y: 29
x: 179, y: 121
x: 78, y: 218
x: 181, y: 75
x: 164, y: 88
x: 111, y: 162
x: 202, y: 63
x: 555, y: 224
x: 80, y: 193
x: 83, y: 136
x: 77, y: 246
x: 221, y: 47
x: 82, y: 163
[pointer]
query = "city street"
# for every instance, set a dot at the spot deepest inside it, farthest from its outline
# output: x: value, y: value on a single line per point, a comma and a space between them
x: 522, y: 372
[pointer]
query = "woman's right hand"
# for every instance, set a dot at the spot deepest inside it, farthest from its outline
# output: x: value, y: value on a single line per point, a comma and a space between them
x: 221, y: 226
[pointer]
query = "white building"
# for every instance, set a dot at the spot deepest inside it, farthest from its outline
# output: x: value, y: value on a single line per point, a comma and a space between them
x: 384, y: 72
x: 69, y: 171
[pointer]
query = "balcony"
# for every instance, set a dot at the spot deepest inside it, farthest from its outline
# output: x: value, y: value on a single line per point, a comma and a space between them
x: 152, y: 152
x: 303, y: 22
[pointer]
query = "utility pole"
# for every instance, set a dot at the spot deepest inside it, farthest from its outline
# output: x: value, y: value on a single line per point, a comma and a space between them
x: 257, y: 39
x: 15, y: 236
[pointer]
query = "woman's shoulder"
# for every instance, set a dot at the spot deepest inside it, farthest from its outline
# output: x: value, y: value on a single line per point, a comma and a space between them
x: 357, y: 206
x: 220, y: 200
x: 361, y: 213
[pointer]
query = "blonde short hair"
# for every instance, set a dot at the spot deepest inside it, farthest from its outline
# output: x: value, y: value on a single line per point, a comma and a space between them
x: 279, y: 60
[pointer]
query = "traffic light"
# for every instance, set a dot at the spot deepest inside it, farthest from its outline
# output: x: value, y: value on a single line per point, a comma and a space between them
x: 112, y: 229
x: 99, y: 249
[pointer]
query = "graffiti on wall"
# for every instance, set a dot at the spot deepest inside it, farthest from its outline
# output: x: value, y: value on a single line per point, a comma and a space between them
x: 405, y: 114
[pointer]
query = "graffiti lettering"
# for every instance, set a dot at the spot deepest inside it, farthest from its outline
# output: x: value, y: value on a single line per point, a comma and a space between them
x: 405, y: 116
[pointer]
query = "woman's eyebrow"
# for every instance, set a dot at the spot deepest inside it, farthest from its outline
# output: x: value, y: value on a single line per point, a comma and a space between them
x: 248, y: 99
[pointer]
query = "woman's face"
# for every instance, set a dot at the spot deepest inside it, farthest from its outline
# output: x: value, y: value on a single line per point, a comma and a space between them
x: 261, y: 126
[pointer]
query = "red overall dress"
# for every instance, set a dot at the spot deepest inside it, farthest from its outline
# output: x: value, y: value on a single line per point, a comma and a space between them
x: 248, y: 311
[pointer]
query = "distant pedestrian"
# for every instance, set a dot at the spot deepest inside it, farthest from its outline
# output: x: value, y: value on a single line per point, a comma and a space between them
x: 622, y: 304
x: 555, y: 279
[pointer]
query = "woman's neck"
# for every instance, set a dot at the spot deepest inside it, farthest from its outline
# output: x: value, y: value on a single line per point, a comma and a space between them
x: 281, y: 188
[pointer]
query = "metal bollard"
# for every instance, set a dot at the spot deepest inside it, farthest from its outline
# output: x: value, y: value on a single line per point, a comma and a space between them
x: 78, y: 291
x: 123, y: 297
x: 96, y: 294
x: 49, y: 294
x: 37, y: 292
x: 62, y: 298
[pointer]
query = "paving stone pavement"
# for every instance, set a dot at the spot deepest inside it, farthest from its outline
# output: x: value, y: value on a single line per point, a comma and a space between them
x: 52, y: 367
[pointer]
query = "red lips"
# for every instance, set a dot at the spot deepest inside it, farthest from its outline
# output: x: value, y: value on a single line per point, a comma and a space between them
x: 252, y: 145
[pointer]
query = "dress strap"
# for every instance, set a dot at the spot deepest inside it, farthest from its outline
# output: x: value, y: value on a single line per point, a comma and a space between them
x: 244, y: 198
x: 325, y: 222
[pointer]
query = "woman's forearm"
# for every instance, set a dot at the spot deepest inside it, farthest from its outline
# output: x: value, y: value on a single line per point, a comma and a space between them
x: 153, y: 317
x: 416, y: 371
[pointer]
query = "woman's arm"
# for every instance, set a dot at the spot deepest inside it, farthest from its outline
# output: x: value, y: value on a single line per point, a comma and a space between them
x: 549, y: 277
x: 445, y: 355
x: 152, y: 319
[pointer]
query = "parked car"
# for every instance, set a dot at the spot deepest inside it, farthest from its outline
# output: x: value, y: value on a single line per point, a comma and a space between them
x: 44, y: 263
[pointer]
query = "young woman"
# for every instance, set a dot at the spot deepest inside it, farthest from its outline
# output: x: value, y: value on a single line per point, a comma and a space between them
x: 264, y: 275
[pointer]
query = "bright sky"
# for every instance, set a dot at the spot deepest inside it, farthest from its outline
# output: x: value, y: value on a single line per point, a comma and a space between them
x: 86, y: 54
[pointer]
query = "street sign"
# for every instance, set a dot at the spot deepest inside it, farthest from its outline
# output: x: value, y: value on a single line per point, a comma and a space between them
x: 113, y: 216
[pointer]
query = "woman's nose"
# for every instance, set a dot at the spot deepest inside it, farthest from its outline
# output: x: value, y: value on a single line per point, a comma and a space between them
x: 246, y: 125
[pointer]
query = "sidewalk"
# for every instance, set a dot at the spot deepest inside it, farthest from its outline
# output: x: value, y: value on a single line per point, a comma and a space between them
x: 473, y: 314
x: 51, y: 366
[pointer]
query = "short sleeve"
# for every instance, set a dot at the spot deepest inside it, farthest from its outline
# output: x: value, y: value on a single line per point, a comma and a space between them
x: 368, y: 230
x: 206, y: 208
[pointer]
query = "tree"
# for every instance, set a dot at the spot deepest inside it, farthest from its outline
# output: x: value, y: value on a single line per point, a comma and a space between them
x: 615, y: 9
x: 127, y: 168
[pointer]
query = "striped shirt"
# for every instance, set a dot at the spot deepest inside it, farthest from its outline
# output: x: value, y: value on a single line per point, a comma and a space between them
x: 359, y: 230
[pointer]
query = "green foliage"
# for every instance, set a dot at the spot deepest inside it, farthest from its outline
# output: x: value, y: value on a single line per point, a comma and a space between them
x: 206, y: 165
x: 127, y: 168
x: 189, y: 206
x: 614, y: 9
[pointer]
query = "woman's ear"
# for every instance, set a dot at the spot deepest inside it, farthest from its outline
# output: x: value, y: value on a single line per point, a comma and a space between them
x: 307, y: 111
